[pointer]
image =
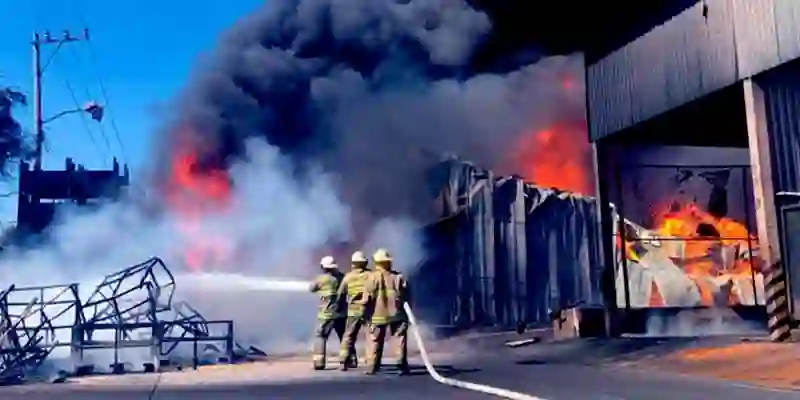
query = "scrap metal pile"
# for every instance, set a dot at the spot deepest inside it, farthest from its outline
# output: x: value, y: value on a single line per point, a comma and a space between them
x: 130, y: 309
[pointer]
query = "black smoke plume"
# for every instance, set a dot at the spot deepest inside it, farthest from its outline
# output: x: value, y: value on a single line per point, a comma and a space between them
x: 376, y: 91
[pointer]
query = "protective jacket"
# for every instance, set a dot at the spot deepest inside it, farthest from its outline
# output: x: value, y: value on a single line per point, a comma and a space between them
x: 351, y: 292
x: 326, y: 286
x: 386, y: 291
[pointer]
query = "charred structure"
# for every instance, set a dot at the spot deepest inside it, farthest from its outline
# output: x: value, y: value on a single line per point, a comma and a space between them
x: 505, y: 252
x: 129, y: 309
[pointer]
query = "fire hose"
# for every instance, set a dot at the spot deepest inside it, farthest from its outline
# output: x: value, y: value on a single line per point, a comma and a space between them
x: 475, y: 387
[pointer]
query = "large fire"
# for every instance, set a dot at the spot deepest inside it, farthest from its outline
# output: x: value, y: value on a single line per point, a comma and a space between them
x: 717, y: 254
x: 557, y: 157
x: 714, y: 252
x: 194, y: 193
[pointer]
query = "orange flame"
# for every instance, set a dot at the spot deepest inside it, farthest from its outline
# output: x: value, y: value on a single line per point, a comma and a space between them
x: 192, y: 194
x: 558, y: 157
x: 703, y: 245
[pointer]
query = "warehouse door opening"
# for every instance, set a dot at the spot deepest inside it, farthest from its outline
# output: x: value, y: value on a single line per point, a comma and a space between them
x: 681, y: 234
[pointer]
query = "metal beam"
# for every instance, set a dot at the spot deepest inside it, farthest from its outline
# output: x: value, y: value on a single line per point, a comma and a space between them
x: 761, y: 170
x: 766, y: 218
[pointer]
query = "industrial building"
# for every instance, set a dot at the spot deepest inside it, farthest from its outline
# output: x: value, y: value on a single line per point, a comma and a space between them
x: 692, y: 116
x: 505, y: 252
x: 718, y: 79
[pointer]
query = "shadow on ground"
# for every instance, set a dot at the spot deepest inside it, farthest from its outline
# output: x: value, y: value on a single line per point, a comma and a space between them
x: 418, y: 369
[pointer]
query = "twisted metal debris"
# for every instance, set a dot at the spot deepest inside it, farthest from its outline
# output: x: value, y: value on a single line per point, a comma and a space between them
x: 131, y: 308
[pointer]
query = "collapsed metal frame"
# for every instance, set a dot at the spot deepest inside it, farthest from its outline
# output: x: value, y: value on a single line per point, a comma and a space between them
x: 623, y: 225
x: 23, y: 347
x: 137, y: 298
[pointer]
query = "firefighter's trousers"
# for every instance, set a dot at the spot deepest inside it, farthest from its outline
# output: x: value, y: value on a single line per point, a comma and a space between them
x: 321, y: 334
x: 398, y: 332
x: 347, y: 354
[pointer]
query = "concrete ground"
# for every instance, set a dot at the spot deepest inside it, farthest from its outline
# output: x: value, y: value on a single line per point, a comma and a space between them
x: 647, y: 369
x: 775, y: 365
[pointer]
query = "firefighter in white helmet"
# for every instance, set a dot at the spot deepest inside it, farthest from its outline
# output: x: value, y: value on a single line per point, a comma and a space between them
x: 351, y: 291
x: 329, y: 317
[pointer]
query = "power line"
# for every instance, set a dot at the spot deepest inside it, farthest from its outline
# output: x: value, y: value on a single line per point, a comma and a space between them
x: 93, y: 59
x: 38, y: 42
x: 89, y: 96
x: 83, y: 118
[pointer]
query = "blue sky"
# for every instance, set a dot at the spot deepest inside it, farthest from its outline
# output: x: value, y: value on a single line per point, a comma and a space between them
x: 140, y: 50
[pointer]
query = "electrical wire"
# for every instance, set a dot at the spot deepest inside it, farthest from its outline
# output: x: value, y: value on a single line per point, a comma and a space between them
x: 95, y: 65
x: 89, y: 96
x: 84, y: 121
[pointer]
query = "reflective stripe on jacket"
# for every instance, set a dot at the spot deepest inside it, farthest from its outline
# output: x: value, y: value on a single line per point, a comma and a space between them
x: 352, y: 291
x: 326, y: 286
x: 386, y: 292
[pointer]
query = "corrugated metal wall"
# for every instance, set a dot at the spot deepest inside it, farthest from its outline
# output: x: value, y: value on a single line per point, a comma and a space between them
x: 690, y: 56
x: 506, y: 251
x: 781, y: 89
x: 782, y: 101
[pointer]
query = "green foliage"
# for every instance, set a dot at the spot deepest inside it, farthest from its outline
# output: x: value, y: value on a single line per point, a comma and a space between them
x: 13, y: 143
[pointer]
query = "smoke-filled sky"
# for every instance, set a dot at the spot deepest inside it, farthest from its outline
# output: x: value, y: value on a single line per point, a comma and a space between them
x: 374, y: 91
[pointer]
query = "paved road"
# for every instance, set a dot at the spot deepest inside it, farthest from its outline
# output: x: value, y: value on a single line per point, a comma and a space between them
x: 536, y: 373
x: 554, y: 382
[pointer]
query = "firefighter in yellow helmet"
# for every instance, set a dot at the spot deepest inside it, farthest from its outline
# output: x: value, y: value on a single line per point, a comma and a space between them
x: 385, y: 291
x: 351, y: 291
x: 329, y: 316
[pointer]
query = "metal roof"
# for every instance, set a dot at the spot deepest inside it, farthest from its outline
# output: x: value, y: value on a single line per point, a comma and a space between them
x: 707, y: 47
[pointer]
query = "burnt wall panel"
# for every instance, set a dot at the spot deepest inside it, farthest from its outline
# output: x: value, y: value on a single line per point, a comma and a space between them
x: 697, y: 53
x: 542, y: 254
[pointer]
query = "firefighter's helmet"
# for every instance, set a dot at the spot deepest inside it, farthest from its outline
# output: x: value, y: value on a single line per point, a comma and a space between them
x: 327, y: 262
x: 382, y: 256
x: 358, y: 257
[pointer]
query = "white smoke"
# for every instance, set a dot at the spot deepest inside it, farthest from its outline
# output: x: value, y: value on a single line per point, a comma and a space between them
x: 701, y: 322
x: 273, y: 229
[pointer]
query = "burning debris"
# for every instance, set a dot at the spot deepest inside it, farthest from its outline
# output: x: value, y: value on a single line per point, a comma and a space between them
x: 129, y: 309
x: 690, y: 259
x: 694, y: 253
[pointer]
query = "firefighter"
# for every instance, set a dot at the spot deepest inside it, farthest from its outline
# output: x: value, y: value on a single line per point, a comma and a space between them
x: 385, y: 291
x: 351, y: 291
x: 329, y: 316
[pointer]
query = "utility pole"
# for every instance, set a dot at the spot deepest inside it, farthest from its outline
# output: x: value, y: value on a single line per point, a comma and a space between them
x: 74, y: 183
x: 38, y: 71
